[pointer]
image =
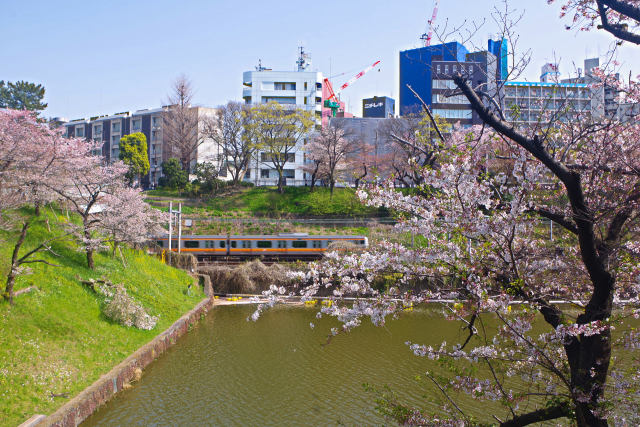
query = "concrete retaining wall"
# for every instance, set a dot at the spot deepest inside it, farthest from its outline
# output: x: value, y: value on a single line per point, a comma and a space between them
x: 83, y: 405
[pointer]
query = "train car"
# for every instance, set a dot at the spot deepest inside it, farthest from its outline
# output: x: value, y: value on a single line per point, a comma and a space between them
x: 294, y: 245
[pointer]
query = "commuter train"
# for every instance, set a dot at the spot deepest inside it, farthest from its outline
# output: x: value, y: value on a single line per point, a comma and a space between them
x: 294, y: 245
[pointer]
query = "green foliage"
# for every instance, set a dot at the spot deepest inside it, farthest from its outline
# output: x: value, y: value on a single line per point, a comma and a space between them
x: 22, y: 95
x: 175, y: 178
x: 133, y: 152
x: 56, y: 339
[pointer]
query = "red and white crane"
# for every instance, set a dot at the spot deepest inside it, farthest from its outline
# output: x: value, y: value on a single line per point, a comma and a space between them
x: 332, y: 100
x: 426, y: 37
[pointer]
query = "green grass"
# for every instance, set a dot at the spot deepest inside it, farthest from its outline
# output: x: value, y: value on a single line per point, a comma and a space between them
x: 56, y: 340
x: 296, y: 201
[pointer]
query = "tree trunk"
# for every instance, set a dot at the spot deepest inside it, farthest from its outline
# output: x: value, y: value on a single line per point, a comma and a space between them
x: 90, y: 262
x: 332, y: 184
x: 11, y: 277
x: 280, y: 183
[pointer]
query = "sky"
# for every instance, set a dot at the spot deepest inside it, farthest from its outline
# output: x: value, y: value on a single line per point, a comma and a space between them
x: 104, y: 57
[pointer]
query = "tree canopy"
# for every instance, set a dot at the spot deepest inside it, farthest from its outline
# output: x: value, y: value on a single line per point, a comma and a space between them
x: 133, y: 152
x: 22, y: 95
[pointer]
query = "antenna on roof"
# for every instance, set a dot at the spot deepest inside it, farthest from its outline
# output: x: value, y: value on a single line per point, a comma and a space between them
x: 260, y: 67
x: 304, y: 59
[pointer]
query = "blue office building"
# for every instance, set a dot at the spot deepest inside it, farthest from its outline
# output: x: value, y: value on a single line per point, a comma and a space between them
x: 429, y: 71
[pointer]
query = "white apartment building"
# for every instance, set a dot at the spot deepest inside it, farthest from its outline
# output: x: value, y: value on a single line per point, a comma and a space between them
x: 297, y: 89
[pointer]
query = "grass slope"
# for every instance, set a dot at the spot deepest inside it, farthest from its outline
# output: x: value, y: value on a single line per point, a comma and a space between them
x: 296, y: 201
x: 56, y: 340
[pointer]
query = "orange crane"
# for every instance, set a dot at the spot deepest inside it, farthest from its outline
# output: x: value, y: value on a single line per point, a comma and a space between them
x: 332, y: 100
x: 426, y: 37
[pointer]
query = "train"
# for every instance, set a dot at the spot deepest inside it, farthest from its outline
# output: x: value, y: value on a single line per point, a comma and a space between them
x: 292, y: 245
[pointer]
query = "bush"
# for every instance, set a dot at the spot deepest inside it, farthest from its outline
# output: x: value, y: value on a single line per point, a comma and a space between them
x: 124, y: 310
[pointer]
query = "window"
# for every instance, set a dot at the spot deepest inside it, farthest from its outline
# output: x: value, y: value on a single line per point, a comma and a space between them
x: 191, y: 244
x: 282, y: 244
x: 452, y: 114
x: 305, y: 100
x: 115, y: 127
x: 160, y: 243
x: 446, y: 69
x: 234, y: 244
x: 305, y: 87
x: 97, y: 132
x: 223, y: 244
x: 115, y: 139
x: 155, y: 135
x: 455, y: 68
x: 471, y: 68
x: 209, y: 244
x: 264, y: 243
x: 156, y: 121
x: 264, y: 173
x: 289, y: 173
x: 443, y: 84
x: 317, y: 243
x: 299, y: 244
x: 136, y: 125
x: 80, y: 131
x: 284, y: 86
x: 438, y: 68
x: 439, y: 98
x: 246, y: 244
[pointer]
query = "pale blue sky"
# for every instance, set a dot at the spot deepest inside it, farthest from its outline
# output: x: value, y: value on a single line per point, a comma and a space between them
x: 97, y: 57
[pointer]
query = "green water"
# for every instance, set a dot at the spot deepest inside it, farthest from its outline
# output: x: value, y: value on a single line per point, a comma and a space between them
x: 228, y: 371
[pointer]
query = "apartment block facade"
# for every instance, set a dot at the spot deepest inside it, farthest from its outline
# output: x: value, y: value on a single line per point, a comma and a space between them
x: 107, y: 130
x: 294, y: 89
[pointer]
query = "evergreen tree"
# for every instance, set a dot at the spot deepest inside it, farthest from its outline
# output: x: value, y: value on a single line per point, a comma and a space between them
x: 22, y: 95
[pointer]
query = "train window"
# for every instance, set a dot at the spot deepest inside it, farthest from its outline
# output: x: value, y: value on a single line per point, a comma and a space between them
x: 208, y: 244
x: 160, y: 243
x: 191, y: 244
x: 362, y: 242
x: 246, y: 244
x: 264, y: 243
x: 317, y: 243
x: 234, y: 244
x: 282, y: 244
x: 299, y: 243
x: 223, y: 243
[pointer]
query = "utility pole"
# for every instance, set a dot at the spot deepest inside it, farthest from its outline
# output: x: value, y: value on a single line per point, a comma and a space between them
x: 170, y: 223
x: 179, y: 226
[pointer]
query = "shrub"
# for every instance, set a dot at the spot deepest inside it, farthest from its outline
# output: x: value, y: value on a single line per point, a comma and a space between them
x: 124, y: 310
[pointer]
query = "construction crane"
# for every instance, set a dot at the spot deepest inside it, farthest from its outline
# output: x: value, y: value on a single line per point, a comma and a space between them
x: 332, y: 100
x: 426, y: 37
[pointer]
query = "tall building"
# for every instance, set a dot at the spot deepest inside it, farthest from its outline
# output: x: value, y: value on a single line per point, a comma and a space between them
x: 295, y: 89
x: 429, y: 70
x: 109, y: 129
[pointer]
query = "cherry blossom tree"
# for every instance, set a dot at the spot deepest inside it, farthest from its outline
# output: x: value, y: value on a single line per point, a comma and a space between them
x: 86, y: 184
x: 329, y: 151
x: 127, y: 218
x: 563, y: 346
x: 31, y: 155
x: 621, y: 18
